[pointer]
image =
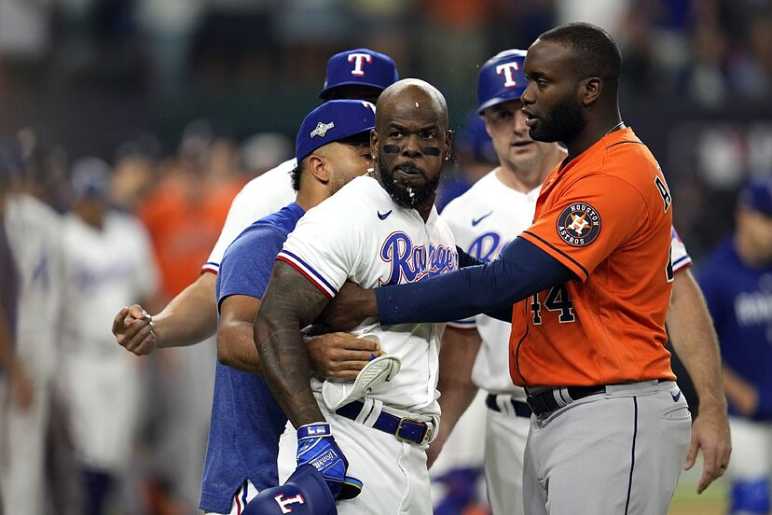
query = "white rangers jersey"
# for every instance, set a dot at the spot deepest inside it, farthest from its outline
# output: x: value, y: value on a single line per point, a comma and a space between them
x: 34, y: 235
x: 104, y: 270
x: 483, y: 220
x: 260, y: 197
x: 360, y: 234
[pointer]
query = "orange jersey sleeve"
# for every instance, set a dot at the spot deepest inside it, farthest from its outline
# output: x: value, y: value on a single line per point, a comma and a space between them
x: 607, y: 217
x: 592, y: 218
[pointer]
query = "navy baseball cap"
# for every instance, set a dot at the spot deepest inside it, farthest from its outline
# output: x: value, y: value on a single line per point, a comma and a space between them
x: 359, y: 67
x: 757, y: 195
x: 90, y: 178
x: 501, y: 79
x: 304, y: 493
x: 333, y: 121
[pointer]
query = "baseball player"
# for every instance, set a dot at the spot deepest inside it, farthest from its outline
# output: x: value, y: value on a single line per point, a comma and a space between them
x: 108, y: 262
x: 737, y: 281
x: 590, y: 280
x: 484, y: 220
x: 379, y: 229
x: 332, y: 147
x: 33, y: 229
x: 191, y: 316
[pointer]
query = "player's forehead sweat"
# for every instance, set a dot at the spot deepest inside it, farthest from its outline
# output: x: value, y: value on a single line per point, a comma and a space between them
x: 411, y: 101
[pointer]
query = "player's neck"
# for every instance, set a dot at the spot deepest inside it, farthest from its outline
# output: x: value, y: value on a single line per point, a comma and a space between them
x: 425, y: 208
x: 522, y: 181
x: 525, y: 181
x: 311, y: 195
x: 595, y: 129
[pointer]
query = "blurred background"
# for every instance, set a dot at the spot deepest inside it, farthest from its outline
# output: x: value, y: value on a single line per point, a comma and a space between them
x: 181, y: 102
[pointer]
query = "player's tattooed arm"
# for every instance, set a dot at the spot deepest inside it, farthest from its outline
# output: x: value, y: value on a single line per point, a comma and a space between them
x: 290, y: 304
x: 338, y: 356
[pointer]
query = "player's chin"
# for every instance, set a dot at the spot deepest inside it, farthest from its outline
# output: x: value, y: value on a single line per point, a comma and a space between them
x: 409, y: 195
x: 540, y: 133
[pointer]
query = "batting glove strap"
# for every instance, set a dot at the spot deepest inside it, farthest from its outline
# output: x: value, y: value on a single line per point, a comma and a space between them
x: 317, y: 447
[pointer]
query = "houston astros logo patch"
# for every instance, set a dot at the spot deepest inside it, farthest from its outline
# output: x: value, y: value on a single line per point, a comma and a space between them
x: 579, y: 224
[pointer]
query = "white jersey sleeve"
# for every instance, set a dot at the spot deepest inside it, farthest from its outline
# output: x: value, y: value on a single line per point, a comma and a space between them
x: 260, y: 197
x: 320, y: 250
x: 678, y: 255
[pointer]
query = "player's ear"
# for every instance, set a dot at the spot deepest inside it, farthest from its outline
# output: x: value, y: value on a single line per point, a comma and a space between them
x: 450, y: 145
x: 374, y: 144
x: 319, y: 167
x: 590, y: 90
x: 485, y: 123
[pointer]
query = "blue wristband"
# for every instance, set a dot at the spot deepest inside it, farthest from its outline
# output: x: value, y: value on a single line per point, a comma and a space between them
x: 314, y: 430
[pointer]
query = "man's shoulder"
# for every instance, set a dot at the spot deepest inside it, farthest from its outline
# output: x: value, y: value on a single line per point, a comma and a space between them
x: 466, y: 203
x: 32, y: 210
x: 352, y: 198
x: 258, y: 237
x: 124, y: 221
x: 279, y: 175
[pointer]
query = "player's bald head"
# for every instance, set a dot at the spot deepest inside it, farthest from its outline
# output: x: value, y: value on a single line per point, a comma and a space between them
x: 411, y: 98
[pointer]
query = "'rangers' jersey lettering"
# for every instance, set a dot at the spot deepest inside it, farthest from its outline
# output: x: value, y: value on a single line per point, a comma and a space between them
x: 360, y: 234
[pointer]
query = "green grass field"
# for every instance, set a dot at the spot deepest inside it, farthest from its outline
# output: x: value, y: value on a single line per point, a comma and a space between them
x: 687, y: 502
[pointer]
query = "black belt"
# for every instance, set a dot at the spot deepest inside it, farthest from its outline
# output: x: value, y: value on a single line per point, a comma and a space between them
x: 521, y: 408
x: 550, y: 400
x: 404, y: 429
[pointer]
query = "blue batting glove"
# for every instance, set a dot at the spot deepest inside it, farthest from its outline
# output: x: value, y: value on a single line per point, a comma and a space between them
x: 317, y: 447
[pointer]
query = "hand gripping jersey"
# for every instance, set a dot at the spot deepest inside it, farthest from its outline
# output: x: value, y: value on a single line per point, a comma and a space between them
x: 360, y: 234
x: 607, y: 217
x: 259, y: 198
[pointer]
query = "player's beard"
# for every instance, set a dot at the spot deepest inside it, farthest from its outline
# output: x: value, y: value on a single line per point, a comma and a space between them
x: 563, y: 124
x: 405, y: 195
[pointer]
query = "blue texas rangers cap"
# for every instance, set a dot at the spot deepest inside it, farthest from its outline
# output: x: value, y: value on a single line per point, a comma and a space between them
x: 304, y: 493
x: 757, y: 195
x: 359, y: 67
x: 502, y: 78
x: 90, y: 178
x: 332, y: 121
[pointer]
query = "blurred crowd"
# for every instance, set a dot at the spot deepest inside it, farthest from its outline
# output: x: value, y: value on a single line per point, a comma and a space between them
x: 710, y: 52
x: 120, y: 80
x: 81, y: 238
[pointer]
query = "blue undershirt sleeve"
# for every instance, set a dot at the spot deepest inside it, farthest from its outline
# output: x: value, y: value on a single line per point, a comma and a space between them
x: 521, y: 270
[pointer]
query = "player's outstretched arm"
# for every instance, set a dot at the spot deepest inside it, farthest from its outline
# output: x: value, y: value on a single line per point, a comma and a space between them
x: 458, y: 351
x: 521, y: 270
x: 337, y: 356
x: 694, y: 340
x: 189, y: 318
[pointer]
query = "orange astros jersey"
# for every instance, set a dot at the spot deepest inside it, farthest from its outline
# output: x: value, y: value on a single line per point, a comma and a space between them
x: 606, y: 216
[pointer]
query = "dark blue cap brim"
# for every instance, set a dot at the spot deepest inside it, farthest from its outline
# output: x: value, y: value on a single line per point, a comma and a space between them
x: 325, y: 92
x: 516, y: 93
